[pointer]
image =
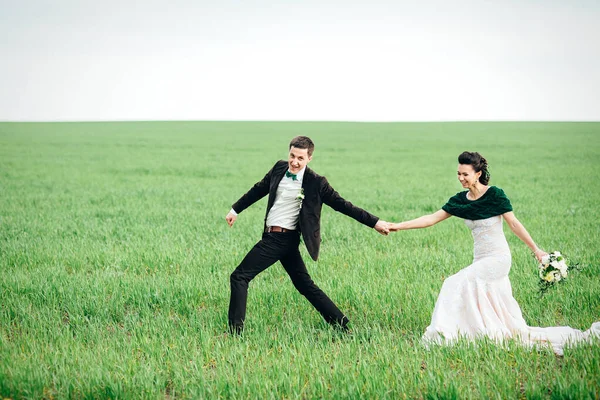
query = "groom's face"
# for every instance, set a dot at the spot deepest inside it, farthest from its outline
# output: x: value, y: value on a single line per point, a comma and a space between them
x: 297, y: 159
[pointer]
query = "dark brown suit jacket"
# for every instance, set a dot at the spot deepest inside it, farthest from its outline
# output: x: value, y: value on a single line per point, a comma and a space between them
x: 316, y: 191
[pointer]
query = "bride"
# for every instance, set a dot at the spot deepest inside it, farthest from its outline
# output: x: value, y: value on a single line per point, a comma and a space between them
x: 478, y: 301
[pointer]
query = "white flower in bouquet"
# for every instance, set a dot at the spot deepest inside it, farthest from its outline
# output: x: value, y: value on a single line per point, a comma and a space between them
x: 563, y: 268
x: 557, y: 276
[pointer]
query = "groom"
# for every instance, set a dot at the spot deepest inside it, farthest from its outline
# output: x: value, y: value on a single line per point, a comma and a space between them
x: 296, y: 195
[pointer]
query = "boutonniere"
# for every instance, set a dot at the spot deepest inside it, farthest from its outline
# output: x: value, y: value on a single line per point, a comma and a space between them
x: 300, y: 197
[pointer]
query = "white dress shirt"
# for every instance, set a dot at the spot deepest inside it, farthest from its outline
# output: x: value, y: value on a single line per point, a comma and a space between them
x: 286, y: 208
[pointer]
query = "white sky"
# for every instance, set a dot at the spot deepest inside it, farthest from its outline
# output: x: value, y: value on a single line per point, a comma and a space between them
x: 347, y: 60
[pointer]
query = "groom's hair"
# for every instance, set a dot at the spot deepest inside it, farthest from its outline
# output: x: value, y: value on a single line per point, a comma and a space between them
x: 303, y: 142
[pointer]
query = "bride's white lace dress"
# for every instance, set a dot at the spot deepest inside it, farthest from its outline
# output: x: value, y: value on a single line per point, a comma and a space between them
x: 478, y: 300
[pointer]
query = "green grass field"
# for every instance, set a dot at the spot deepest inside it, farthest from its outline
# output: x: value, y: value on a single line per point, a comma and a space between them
x: 115, y: 260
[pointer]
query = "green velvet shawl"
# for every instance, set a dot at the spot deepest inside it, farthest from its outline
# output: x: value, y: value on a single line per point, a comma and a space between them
x: 493, y: 202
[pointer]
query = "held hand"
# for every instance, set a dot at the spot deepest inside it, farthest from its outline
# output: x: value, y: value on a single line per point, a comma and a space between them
x: 230, y: 218
x: 539, y: 254
x: 382, y: 227
x: 394, y: 227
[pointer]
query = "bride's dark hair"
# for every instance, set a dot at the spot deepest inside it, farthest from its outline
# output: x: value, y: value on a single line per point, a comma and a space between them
x: 478, y: 163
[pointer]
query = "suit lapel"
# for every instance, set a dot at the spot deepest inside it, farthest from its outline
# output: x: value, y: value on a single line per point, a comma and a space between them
x: 307, y: 187
x: 307, y: 179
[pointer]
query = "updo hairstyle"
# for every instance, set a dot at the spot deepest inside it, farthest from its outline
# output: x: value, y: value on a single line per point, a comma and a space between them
x: 478, y: 163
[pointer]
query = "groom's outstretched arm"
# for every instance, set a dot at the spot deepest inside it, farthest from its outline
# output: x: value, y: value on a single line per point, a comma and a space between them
x: 333, y: 199
x: 257, y: 192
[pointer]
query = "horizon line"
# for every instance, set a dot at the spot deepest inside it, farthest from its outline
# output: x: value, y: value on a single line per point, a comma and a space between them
x: 301, y: 121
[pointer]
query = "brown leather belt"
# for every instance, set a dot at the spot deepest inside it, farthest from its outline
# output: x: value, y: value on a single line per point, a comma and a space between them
x: 269, y: 229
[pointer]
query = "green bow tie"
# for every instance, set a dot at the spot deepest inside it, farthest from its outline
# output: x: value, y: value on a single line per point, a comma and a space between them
x: 288, y: 174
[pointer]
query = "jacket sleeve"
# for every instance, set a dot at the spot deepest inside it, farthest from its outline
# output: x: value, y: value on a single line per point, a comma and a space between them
x: 335, y: 201
x: 257, y: 192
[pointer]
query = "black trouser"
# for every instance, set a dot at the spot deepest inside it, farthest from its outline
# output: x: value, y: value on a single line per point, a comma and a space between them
x: 278, y: 246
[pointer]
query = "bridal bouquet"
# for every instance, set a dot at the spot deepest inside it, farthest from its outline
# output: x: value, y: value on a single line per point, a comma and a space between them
x: 553, y: 269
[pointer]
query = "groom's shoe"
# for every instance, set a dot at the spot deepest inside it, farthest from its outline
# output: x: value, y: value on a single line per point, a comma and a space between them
x: 343, y: 329
x: 236, y: 329
x: 341, y: 325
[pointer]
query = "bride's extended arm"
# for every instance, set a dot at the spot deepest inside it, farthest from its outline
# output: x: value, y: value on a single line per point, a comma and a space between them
x: 421, y: 222
x: 517, y: 227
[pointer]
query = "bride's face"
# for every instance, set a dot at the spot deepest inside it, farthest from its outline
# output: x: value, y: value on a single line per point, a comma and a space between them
x: 467, y: 175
